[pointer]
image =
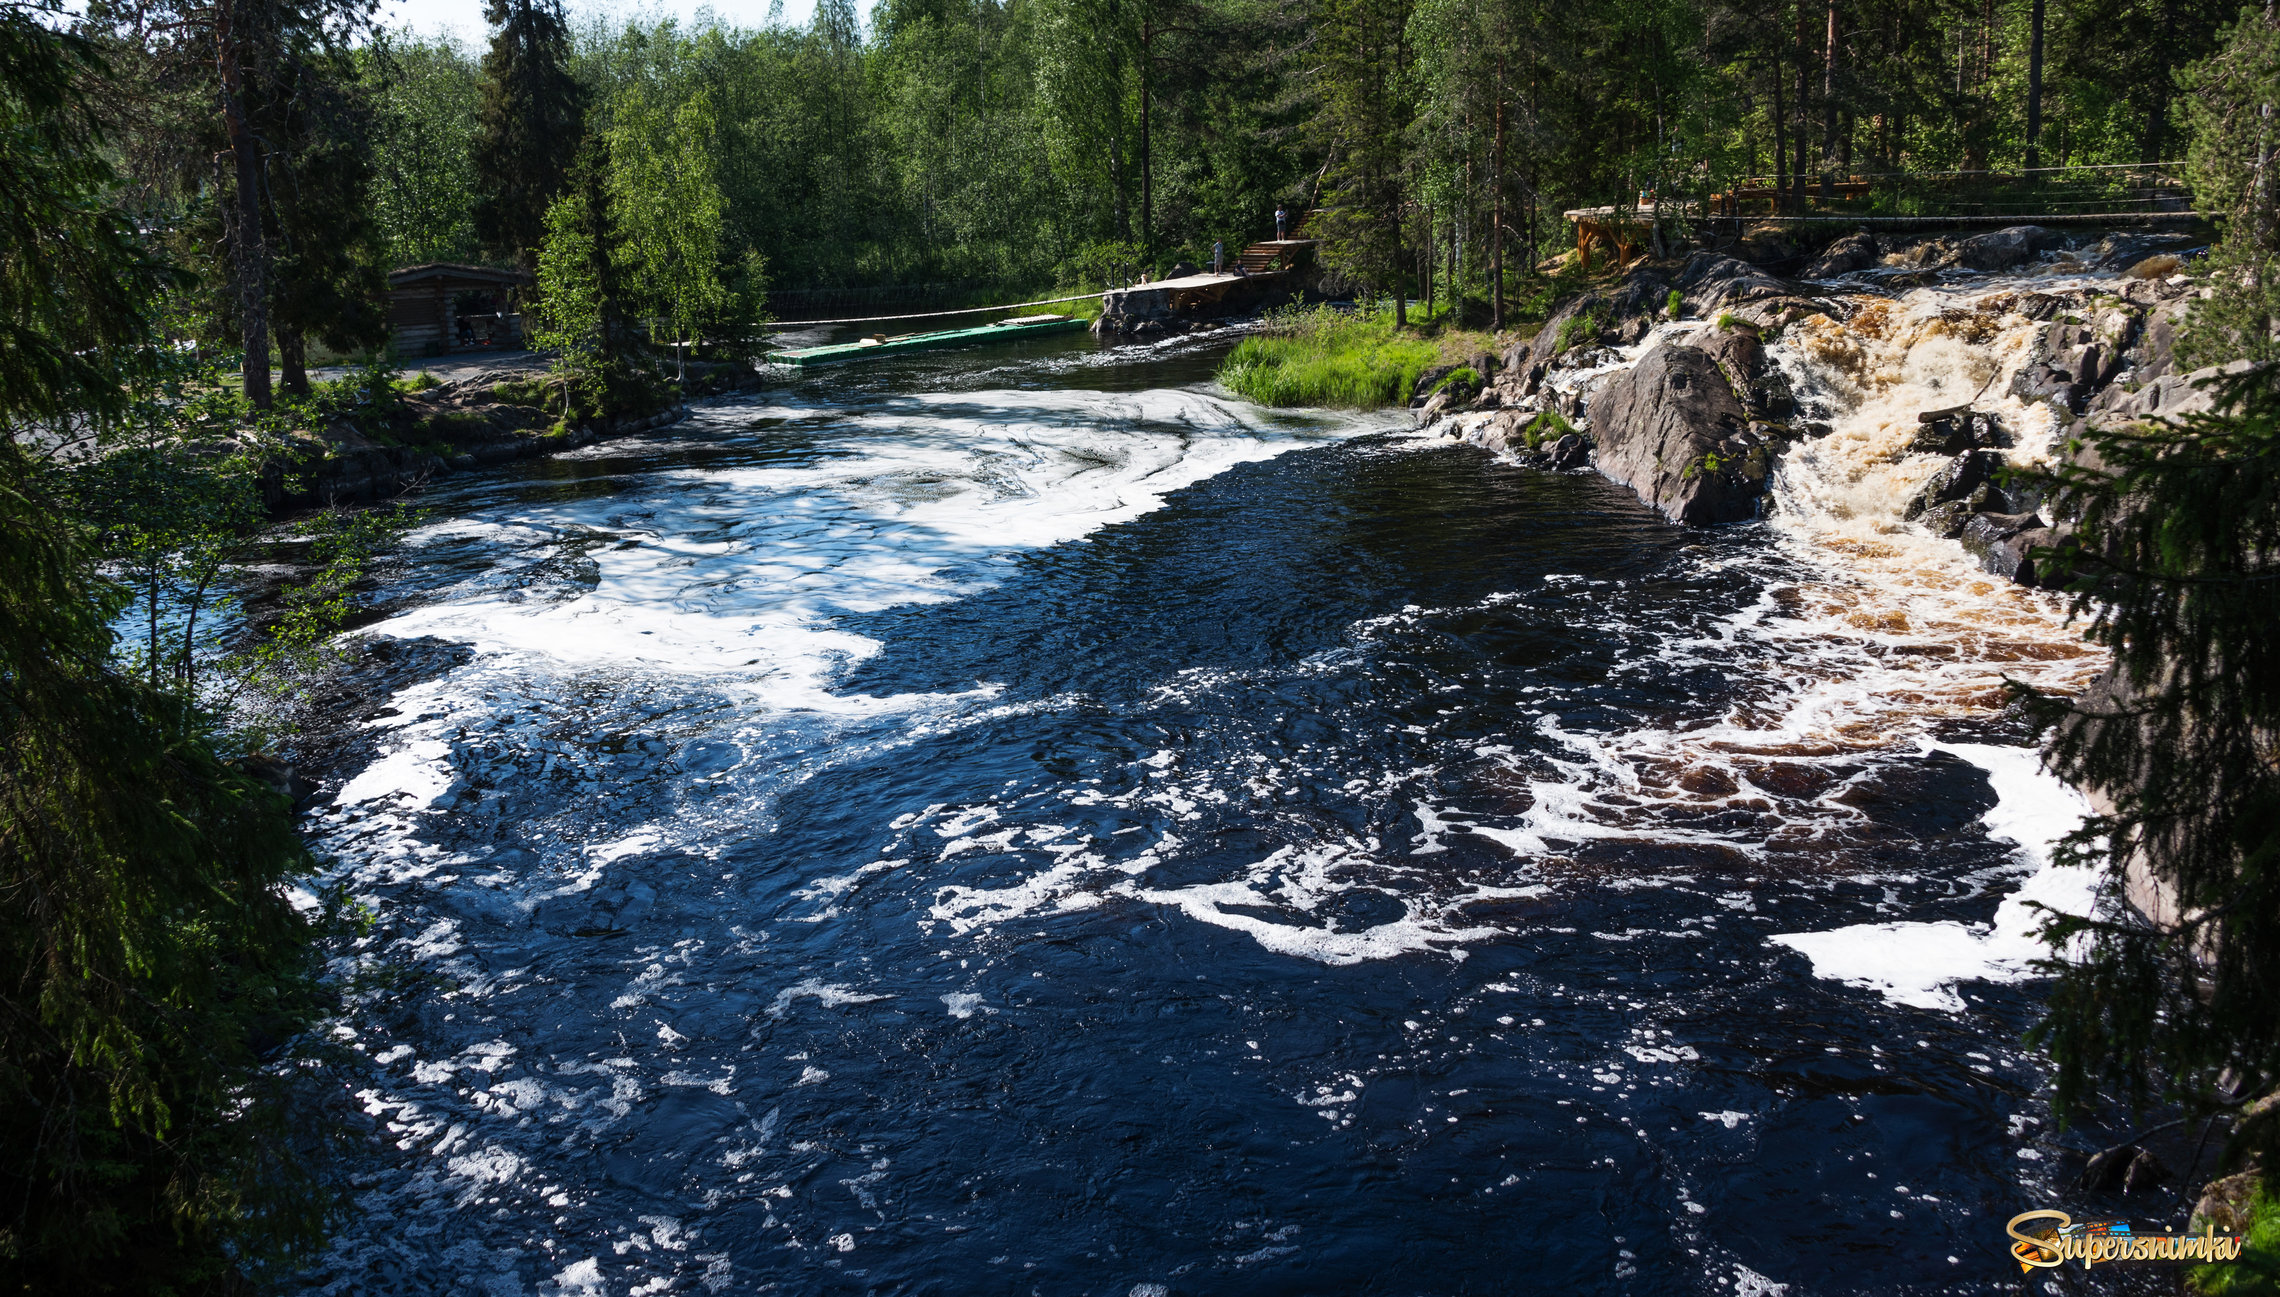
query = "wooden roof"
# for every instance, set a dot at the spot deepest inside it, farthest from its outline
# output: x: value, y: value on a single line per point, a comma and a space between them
x: 455, y: 271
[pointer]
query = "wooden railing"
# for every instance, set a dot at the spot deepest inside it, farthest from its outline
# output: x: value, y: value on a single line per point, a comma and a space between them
x: 2132, y: 189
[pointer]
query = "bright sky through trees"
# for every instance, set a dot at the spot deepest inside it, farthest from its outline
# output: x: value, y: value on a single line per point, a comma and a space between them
x: 464, y: 18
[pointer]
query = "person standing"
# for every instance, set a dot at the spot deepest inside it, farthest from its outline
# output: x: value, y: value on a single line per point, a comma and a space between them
x: 1218, y: 256
x: 1281, y: 217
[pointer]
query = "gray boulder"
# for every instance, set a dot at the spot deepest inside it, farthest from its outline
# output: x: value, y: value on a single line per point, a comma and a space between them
x: 2003, y: 249
x: 2004, y: 543
x: 1713, y: 283
x: 1848, y: 254
x: 2116, y: 251
x: 1963, y: 475
x: 1671, y: 429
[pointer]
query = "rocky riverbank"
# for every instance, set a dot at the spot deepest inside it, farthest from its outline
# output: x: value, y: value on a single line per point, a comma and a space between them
x: 486, y: 418
x: 1682, y: 379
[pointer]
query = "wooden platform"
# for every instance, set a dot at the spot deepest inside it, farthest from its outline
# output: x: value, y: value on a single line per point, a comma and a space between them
x: 1021, y: 326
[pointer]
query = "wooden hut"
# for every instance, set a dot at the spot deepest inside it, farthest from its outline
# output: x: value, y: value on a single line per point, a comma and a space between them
x: 447, y: 307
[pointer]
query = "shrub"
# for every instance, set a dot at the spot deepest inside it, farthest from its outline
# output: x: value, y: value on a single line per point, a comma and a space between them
x: 1676, y: 305
x: 2254, y: 1274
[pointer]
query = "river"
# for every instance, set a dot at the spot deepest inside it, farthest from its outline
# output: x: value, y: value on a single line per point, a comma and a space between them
x: 1022, y: 821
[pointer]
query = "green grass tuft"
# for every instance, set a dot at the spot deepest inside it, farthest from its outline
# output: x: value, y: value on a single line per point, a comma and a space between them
x: 1582, y: 329
x: 1548, y: 425
x: 1463, y: 378
x: 1677, y: 304
x: 1322, y: 357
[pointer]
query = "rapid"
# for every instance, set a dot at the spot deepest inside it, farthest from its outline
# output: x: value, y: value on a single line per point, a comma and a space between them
x: 1024, y: 821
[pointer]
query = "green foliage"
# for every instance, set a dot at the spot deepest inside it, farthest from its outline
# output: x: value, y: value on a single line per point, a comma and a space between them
x: 155, y: 972
x: 578, y: 298
x: 1325, y: 357
x: 1728, y: 320
x: 666, y: 205
x: 425, y: 93
x: 2257, y: 1272
x: 1367, y: 106
x: 2228, y: 101
x: 1676, y: 306
x: 1548, y: 425
x: 329, y: 280
x: 156, y: 985
x: 2176, y: 542
x: 1581, y: 329
x: 76, y: 283
x: 1464, y: 378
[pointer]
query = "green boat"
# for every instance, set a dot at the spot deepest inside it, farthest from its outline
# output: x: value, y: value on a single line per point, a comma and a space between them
x: 1021, y: 326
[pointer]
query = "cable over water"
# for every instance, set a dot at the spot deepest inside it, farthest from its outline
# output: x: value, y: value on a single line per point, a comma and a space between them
x: 928, y: 315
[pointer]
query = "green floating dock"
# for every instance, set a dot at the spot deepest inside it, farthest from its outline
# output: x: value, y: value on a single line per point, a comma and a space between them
x: 1022, y: 326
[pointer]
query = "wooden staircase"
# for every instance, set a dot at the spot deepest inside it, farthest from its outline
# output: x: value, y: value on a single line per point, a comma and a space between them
x: 1259, y: 258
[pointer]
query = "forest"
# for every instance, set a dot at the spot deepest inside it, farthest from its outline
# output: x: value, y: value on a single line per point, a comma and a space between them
x: 202, y: 200
x: 1017, y: 147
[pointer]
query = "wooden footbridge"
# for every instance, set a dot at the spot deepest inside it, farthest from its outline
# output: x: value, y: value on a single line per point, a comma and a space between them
x: 2153, y: 193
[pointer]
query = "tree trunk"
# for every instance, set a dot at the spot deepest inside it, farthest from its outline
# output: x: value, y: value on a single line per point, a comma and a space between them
x: 2034, y: 83
x: 1829, y: 108
x: 249, y: 251
x: 2260, y: 194
x: 293, y: 351
x: 1147, y: 158
x: 1798, y: 168
x: 1780, y: 136
x: 1496, y: 213
x: 2156, y: 139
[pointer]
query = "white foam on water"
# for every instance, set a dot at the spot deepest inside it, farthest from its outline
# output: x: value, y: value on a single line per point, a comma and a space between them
x: 733, y: 577
x: 1920, y: 964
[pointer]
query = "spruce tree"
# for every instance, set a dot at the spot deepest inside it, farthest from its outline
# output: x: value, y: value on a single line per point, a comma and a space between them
x: 528, y: 125
x: 150, y: 962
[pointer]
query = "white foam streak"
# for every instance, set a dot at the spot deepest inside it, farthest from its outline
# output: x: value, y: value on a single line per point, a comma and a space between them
x: 1920, y: 964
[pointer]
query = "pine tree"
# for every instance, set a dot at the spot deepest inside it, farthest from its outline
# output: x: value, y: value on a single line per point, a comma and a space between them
x: 329, y: 281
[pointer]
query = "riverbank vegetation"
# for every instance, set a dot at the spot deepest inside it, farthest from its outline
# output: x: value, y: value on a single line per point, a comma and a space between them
x: 1348, y: 359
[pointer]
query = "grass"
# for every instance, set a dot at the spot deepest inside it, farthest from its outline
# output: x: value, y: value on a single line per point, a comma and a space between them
x: 1548, y: 425
x: 1352, y: 360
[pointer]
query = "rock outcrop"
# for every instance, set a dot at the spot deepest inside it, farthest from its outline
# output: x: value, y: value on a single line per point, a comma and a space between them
x: 1672, y: 429
x: 2003, y: 249
x: 490, y: 418
x: 1851, y: 253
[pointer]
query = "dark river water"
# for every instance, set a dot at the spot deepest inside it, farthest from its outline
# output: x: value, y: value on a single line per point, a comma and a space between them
x: 1022, y: 821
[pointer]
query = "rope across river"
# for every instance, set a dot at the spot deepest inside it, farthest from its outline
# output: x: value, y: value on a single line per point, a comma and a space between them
x: 929, y: 315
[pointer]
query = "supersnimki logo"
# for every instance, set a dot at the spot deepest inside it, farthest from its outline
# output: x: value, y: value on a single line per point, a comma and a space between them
x: 2107, y: 1242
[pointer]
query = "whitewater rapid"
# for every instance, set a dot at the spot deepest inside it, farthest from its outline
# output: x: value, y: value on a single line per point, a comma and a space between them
x: 1045, y: 824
